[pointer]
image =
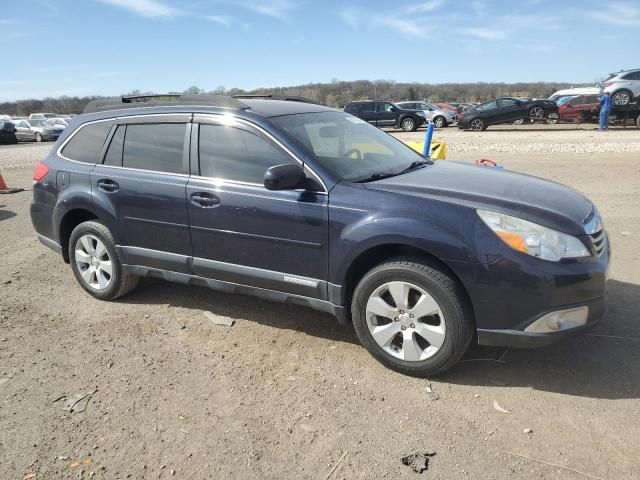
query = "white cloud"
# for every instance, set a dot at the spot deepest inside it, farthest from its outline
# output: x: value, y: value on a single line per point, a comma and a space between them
x: 423, y: 7
x: 220, y: 19
x: 352, y: 16
x: 145, y: 8
x: 405, y: 27
x: 623, y: 14
x: 534, y: 47
x: 272, y: 8
x: 485, y: 33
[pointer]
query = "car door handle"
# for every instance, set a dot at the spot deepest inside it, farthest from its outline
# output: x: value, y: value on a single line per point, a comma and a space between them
x: 107, y: 185
x: 204, y: 200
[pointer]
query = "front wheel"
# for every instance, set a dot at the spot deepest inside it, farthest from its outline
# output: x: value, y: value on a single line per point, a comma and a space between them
x: 536, y: 113
x: 408, y: 125
x: 623, y: 97
x: 412, y: 317
x: 38, y: 137
x: 96, y: 264
x: 439, y: 122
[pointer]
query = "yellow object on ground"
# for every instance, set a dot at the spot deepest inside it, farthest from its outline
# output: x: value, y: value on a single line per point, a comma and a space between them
x: 438, y: 149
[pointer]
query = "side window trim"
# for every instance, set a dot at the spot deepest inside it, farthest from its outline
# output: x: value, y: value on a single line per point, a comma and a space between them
x: 222, y: 119
x: 107, y: 144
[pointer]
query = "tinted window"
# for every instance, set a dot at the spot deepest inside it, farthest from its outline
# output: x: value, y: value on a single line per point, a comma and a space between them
x: 592, y: 99
x: 236, y: 154
x: 114, y: 154
x: 86, y: 144
x: 385, y: 107
x: 156, y: 147
x: 632, y: 76
x: 508, y: 102
x: 369, y: 107
x: 487, y: 106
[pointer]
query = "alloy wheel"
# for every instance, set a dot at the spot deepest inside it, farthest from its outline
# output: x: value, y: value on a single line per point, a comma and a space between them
x: 553, y: 118
x: 405, y: 321
x: 621, y: 98
x: 93, y: 262
x: 439, y: 123
x: 477, y: 124
x: 407, y: 125
x: 536, y: 113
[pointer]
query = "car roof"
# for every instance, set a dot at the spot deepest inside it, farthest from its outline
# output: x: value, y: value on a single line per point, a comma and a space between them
x: 275, y: 108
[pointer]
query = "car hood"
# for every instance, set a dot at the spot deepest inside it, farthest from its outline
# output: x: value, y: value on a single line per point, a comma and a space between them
x: 541, y: 201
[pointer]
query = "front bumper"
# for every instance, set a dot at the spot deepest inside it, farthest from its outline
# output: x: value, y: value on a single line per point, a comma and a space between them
x: 523, y: 339
x: 515, y: 290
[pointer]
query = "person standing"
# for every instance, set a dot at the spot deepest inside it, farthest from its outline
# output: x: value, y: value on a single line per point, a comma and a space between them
x: 605, y: 109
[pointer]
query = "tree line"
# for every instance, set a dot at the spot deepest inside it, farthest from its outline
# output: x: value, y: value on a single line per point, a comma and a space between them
x: 333, y: 94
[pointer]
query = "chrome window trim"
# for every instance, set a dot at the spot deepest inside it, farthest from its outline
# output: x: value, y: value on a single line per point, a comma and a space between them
x: 216, y: 117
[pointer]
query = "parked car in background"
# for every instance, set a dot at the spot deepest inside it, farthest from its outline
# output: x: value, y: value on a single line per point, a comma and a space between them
x: 34, y: 130
x: 578, y: 108
x: 58, y: 121
x: 446, y: 106
x: 575, y: 91
x: 507, y: 110
x: 7, y: 130
x: 42, y: 116
x: 440, y: 117
x: 623, y: 86
x: 383, y: 113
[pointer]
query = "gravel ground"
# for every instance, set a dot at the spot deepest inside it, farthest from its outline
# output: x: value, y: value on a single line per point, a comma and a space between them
x: 288, y: 393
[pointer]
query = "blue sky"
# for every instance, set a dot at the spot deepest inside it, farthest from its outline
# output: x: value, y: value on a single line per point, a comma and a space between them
x: 109, y: 47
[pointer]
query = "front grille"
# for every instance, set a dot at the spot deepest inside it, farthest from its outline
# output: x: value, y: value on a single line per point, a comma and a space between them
x: 599, y: 241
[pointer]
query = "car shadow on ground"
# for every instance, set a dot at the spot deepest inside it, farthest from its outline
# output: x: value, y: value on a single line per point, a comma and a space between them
x: 603, y: 363
x: 6, y: 214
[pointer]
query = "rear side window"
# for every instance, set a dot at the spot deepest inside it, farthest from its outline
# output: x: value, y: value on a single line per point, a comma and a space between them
x: 369, y: 107
x: 114, y: 154
x: 86, y: 145
x: 237, y: 154
x: 156, y: 147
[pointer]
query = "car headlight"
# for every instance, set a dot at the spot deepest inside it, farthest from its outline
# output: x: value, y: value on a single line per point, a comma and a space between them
x: 534, y: 239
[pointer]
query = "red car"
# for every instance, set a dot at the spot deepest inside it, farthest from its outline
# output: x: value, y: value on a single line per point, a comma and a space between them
x: 578, y: 108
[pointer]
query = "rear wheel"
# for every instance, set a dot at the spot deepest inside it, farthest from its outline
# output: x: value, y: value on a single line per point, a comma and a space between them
x: 477, y: 124
x: 412, y: 317
x: 408, y: 124
x: 96, y: 264
x: 439, y: 122
x: 553, y: 118
x: 622, y: 97
x: 638, y: 121
x: 38, y: 137
x: 536, y: 113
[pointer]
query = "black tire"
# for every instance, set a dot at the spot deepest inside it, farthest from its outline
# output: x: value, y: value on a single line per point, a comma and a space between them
x: 536, y: 113
x: 38, y: 137
x: 622, y: 97
x: 447, y: 293
x: 121, y: 283
x: 477, y: 125
x: 408, y: 124
x: 638, y: 121
x: 439, y: 122
x: 553, y: 118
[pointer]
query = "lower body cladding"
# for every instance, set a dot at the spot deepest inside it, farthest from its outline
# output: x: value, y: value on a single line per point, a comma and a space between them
x: 522, y: 301
x: 231, y: 278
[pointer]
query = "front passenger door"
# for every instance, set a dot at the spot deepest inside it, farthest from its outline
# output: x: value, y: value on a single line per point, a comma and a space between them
x: 243, y: 233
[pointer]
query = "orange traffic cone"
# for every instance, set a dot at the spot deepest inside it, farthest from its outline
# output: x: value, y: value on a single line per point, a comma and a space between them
x: 5, y: 189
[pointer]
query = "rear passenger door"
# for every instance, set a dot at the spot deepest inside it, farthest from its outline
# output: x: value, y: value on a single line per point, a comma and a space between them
x: 243, y: 233
x: 141, y: 182
x: 368, y: 112
x: 386, y: 114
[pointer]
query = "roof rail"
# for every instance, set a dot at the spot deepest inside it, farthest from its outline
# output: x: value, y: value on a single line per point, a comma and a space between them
x: 269, y: 96
x: 162, y: 100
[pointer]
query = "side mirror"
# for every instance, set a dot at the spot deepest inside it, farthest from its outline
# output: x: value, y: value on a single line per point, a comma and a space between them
x: 393, y: 109
x: 285, y: 177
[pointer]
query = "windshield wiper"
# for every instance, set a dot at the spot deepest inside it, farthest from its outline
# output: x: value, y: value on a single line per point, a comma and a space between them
x: 415, y: 165
x: 375, y: 176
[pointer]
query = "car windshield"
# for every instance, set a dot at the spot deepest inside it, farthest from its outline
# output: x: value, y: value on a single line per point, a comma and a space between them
x: 349, y: 147
x: 562, y: 100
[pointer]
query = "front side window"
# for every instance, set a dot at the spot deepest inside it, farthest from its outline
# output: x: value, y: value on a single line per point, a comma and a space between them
x: 157, y: 147
x: 487, y: 106
x: 386, y: 107
x: 508, y: 102
x: 86, y: 145
x: 234, y: 153
x: 349, y: 147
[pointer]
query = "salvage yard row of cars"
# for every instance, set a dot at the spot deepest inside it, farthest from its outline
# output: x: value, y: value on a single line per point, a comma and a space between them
x: 38, y: 127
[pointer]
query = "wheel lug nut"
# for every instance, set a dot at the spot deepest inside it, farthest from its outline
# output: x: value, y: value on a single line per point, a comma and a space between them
x: 403, y: 328
x: 412, y: 326
x: 401, y: 312
x: 395, y: 319
x: 411, y: 315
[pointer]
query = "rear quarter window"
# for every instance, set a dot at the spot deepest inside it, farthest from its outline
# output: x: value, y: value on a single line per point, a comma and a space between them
x: 86, y: 144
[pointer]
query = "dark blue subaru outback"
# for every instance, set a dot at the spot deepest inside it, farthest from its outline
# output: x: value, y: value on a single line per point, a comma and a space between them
x: 294, y: 202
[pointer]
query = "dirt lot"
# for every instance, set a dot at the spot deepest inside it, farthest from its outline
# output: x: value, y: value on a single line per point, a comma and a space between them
x: 286, y: 391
